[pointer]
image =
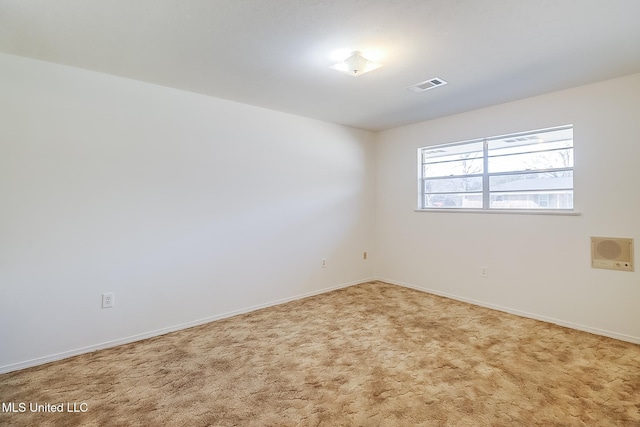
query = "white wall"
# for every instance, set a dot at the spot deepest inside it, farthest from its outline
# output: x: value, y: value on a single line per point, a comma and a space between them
x: 191, y: 208
x: 187, y: 207
x: 538, y: 265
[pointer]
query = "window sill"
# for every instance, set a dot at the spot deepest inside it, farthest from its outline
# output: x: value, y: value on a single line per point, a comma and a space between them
x: 505, y: 211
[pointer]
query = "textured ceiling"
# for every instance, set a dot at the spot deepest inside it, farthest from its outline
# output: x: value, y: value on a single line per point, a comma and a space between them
x: 276, y: 53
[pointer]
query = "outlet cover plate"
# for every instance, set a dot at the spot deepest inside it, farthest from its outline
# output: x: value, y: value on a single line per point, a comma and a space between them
x: 107, y: 300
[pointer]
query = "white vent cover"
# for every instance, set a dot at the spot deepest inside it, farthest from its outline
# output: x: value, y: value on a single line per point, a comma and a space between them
x: 612, y: 253
x: 427, y: 84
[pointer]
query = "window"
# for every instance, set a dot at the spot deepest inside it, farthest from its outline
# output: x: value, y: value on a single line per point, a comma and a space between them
x: 524, y: 171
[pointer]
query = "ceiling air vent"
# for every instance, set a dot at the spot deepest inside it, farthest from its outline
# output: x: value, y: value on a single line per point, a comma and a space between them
x: 427, y: 84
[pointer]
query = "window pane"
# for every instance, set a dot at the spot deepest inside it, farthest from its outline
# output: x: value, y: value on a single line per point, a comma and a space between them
x: 453, y: 160
x: 532, y: 200
x: 500, y: 149
x: 460, y: 151
x: 532, y: 181
x: 531, y: 151
x: 453, y: 168
x: 453, y: 185
x: 453, y: 201
x: 535, y: 160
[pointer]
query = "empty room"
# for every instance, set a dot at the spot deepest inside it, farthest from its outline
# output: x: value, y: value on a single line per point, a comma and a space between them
x: 318, y: 212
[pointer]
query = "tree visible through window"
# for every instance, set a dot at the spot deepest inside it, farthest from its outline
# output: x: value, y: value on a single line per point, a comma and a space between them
x: 528, y: 170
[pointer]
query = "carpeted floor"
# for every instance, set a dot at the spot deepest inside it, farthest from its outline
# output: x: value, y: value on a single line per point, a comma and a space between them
x: 369, y: 355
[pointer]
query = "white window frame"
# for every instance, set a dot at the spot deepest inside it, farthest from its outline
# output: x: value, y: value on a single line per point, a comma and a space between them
x: 485, y: 175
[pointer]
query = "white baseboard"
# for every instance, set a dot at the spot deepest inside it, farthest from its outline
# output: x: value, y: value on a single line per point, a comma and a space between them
x: 579, y: 327
x: 138, y: 337
x: 158, y: 332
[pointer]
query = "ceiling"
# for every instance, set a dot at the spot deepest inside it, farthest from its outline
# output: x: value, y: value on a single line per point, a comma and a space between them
x: 276, y: 53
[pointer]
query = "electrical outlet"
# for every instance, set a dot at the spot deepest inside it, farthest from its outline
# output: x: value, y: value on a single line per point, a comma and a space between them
x: 107, y: 300
x: 484, y: 272
x: 324, y: 263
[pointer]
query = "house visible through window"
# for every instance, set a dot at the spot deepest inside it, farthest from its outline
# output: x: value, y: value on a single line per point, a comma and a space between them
x: 524, y: 171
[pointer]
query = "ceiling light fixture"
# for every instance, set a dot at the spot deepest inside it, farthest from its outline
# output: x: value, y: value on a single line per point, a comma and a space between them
x: 355, y: 65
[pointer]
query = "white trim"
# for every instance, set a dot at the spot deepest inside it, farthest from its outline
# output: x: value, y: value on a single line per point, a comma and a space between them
x: 571, y: 325
x: 138, y: 337
x: 505, y: 211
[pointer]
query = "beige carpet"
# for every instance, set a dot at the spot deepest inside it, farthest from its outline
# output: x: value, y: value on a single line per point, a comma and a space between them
x: 369, y: 355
